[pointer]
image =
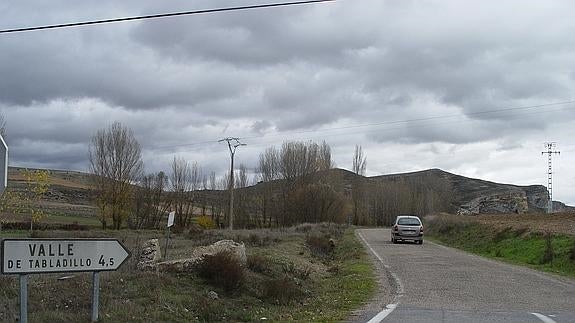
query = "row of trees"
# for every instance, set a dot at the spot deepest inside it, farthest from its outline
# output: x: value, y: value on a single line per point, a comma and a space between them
x: 296, y: 183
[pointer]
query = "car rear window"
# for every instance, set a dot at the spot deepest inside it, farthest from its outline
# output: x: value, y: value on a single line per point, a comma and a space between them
x: 408, y: 221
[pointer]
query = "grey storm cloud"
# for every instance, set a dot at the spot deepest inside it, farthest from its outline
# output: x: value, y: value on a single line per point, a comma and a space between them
x: 285, y: 73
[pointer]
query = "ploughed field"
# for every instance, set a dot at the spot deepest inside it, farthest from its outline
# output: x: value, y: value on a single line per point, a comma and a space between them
x: 556, y: 223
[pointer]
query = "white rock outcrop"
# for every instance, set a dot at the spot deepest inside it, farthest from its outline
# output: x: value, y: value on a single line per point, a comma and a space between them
x: 188, y: 264
x: 150, y: 254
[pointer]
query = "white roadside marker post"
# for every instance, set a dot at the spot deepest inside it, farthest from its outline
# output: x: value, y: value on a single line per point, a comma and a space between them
x: 171, y: 217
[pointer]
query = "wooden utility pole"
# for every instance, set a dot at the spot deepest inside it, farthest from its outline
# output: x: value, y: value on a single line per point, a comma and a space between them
x: 233, y: 144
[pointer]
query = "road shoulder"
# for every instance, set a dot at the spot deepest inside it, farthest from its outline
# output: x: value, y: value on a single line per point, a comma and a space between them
x: 386, y: 291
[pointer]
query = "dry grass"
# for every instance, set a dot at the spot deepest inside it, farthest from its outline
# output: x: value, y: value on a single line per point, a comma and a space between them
x: 222, y: 270
x: 128, y: 295
x: 557, y: 223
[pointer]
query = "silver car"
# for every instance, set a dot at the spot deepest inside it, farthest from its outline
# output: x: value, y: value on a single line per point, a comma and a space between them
x: 407, y: 227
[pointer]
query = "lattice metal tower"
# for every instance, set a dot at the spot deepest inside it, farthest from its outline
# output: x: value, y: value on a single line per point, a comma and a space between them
x: 550, y: 151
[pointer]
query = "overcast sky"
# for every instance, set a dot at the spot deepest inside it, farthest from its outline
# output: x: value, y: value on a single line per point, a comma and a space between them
x: 416, y: 83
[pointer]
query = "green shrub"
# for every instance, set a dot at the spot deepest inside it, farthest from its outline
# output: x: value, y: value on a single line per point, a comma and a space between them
x: 572, y: 252
x: 281, y: 291
x: 501, y: 234
x: 320, y: 246
x: 222, y: 270
x: 548, y: 253
x: 205, y: 222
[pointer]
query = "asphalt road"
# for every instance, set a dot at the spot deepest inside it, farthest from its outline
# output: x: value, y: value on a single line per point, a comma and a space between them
x: 433, y: 283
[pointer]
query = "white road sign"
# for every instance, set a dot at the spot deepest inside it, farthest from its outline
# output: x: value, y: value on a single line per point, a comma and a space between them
x: 3, y: 165
x: 35, y: 256
x: 171, y: 217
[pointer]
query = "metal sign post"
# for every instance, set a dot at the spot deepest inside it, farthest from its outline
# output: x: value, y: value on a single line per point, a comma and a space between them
x: 95, y: 295
x: 23, y: 298
x: 37, y: 256
x: 171, y: 217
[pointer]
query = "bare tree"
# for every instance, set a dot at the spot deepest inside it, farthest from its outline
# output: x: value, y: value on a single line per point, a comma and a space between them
x: 150, y: 202
x: 116, y: 160
x: 182, y: 183
x: 269, y: 171
x: 299, y: 159
x: 358, y: 189
x: 242, y: 177
x: 287, y: 171
x: 359, y: 161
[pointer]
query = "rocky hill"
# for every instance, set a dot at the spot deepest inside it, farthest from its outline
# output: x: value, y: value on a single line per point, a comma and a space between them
x: 70, y: 193
x: 475, y: 196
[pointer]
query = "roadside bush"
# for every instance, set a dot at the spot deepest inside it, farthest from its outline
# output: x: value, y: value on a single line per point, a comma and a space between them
x: 304, y: 227
x: 257, y: 240
x: 222, y: 270
x: 293, y: 270
x: 548, y: 253
x: 44, y: 226
x: 209, y: 310
x: 320, y: 246
x: 501, y: 235
x: 322, y: 228
x: 446, y: 224
x: 281, y: 291
x: 8, y: 295
x: 205, y: 222
x: 194, y: 231
x: 521, y: 231
x: 303, y: 273
x: 258, y: 264
x: 572, y: 252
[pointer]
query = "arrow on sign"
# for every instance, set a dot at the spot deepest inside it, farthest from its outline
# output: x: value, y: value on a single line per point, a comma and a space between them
x: 34, y: 256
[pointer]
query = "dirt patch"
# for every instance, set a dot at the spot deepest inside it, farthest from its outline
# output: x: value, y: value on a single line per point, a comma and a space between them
x: 559, y: 223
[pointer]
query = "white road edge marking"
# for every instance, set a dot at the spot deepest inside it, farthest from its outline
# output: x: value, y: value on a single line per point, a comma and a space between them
x: 543, y: 318
x: 389, y: 307
x: 383, y: 314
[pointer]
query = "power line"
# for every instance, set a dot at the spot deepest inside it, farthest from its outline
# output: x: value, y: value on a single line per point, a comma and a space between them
x: 424, y: 119
x: 408, y: 126
x: 163, y: 15
x: 431, y: 118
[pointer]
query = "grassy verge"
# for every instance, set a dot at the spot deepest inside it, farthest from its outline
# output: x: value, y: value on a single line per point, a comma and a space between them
x: 542, y: 251
x: 289, y: 276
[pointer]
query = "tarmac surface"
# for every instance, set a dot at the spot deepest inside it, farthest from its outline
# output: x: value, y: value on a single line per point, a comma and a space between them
x: 434, y: 283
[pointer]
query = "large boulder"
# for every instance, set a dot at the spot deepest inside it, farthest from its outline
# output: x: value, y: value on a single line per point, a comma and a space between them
x: 236, y: 249
x: 198, y: 254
